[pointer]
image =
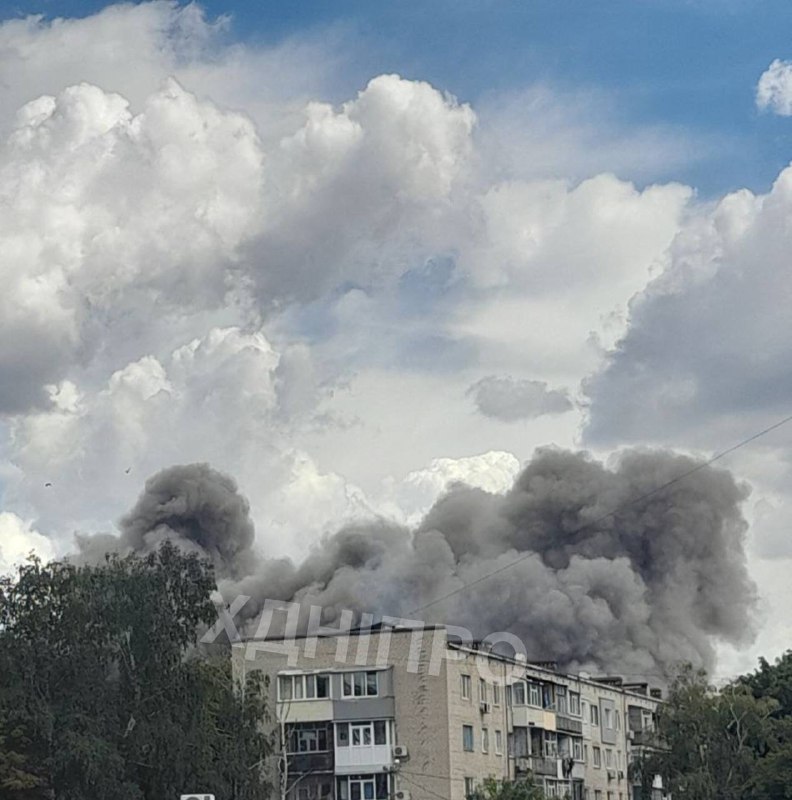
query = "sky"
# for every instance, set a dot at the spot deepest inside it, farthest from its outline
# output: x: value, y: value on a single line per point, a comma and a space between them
x: 352, y: 252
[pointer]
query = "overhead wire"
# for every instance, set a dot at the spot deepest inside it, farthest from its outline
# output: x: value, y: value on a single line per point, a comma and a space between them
x: 634, y: 501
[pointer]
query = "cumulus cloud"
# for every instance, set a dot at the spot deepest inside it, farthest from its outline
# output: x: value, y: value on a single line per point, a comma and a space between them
x: 509, y: 399
x: 18, y: 540
x: 774, y: 90
x: 114, y: 213
x: 224, y: 396
x: 363, y: 192
x: 705, y: 338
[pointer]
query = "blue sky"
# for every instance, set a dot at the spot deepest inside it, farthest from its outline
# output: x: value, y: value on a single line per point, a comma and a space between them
x: 688, y: 65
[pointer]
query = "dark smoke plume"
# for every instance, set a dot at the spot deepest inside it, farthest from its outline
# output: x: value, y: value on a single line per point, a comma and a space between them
x: 635, y: 592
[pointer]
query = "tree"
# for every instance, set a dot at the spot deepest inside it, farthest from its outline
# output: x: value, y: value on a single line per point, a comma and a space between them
x: 492, y: 789
x: 104, y: 695
x: 709, y: 741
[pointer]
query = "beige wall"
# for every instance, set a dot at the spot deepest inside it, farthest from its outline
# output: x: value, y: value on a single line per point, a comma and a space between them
x: 430, y: 710
x: 421, y: 699
x: 463, y: 711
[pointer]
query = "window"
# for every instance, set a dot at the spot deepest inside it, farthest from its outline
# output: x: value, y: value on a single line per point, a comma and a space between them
x: 485, y: 740
x: 550, y: 744
x: 597, y: 754
x: 308, y: 737
x: 574, y: 704
x: 518, y: 693
x: 467, y: 738
x: 561, y: 700
x: 548, y: 696
x: 535, y: 694
x: 360, y: 684
x: 361, y: 734
x: 607, y: 720
x: 617, y: 719
x: 608, y: 757
x: 594, y: 715
x: 470, y: 787
x: 465, y: 684
x: 496, y: 694
x: 380, y: 732
x: 597, y: 794
x: 498, y: 742
x: 303, y: 687
x: 363, y: 787
x: 585, y: 753
x: 482, y: 690
x: 520, y: 742
x: 342, y: 734
x: 577, y: 749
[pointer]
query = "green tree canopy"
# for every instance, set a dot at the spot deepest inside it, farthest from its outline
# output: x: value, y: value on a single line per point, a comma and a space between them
x: 102, y: 694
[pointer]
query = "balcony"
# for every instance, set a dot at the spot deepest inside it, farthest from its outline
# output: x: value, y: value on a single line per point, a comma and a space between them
x: 569, y: 725
x: 304, y: 710
x: 300, y: 763
x: 373, y: 758
x: 529, y: 717
x: 544, y: 766
x: 647, y: 737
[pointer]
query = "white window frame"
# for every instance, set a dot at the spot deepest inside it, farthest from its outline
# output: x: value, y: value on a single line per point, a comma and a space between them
x: 466, y: 686
x: 534, y: 695
x: 359, y: 678
x: 305, y: 685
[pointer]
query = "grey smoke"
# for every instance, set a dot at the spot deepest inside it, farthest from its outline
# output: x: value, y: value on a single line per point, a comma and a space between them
x: 508, y: 399
x: 660, y: 581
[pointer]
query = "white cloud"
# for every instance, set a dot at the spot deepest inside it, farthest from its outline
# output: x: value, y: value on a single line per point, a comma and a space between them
x: 18, y: 540
x: 774, y: 90
x: 114, y: 214
x: 408, y: 499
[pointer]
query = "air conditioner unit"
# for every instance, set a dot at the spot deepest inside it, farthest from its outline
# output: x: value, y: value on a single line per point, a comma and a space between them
x: 631, y: 735
x: 484, y: 707
x: 400, y: 751
x: 402, y: 794
x: 611, y: 775
x: 522, y: 764
x: 621, y: 775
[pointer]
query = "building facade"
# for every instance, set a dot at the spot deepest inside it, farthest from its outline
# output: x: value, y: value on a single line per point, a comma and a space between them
x: 411, y: 714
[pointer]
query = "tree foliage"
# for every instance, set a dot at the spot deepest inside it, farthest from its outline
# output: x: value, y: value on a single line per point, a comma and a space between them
x: 492, y: 789
x: 102, y: 694
x: 729, y: 744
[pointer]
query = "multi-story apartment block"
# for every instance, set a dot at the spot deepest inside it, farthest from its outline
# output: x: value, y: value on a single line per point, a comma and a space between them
x: 411, y: 714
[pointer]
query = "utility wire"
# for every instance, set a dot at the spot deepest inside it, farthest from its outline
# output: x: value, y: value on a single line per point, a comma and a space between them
x: 610, y: 513
x: 421, y: 786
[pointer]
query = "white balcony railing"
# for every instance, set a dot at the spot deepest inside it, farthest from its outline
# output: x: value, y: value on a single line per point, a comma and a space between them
x: 349, y: 760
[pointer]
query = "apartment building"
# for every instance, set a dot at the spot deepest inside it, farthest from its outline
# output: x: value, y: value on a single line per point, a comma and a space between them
x: 413, y: 714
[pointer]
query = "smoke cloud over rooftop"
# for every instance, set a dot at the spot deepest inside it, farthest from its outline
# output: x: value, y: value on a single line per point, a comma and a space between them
x: 657, y: 582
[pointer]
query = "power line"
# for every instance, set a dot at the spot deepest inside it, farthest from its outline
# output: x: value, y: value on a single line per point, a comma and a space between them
x: 610, y: 513
x: 421, y: 786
